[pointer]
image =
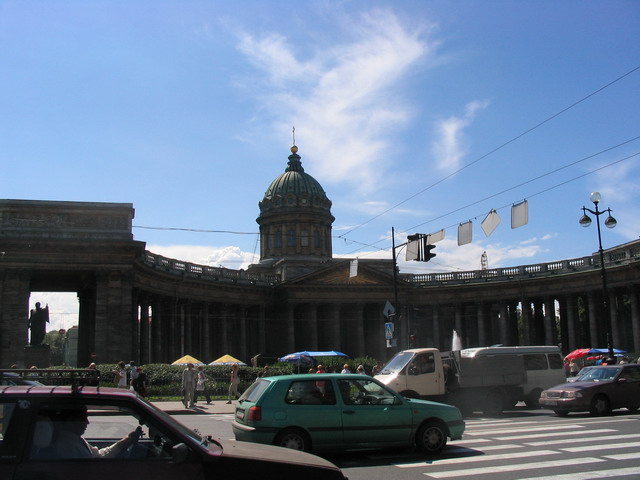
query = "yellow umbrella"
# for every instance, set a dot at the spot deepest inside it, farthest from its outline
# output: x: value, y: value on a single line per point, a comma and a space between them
x: 227, y: 360
x: 187, y: 359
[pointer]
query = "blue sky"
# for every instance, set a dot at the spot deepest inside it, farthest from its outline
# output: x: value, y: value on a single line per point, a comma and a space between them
x: 417, y: 115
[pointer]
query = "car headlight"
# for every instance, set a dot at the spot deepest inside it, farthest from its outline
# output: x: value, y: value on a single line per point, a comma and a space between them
x: 571, y: 394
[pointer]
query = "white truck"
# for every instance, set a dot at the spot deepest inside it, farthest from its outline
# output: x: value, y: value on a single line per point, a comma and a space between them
x: 487, y: 379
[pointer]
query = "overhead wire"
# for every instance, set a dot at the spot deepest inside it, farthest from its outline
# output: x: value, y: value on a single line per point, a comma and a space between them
x: 482, y: 157
x: 519, y: 185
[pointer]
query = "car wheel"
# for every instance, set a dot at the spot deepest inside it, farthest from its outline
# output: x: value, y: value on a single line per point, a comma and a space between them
x: 431, y: 437
x: 293, y: 438
x: 600, y: 406
x: 533, y: 399
x: 561, y: 413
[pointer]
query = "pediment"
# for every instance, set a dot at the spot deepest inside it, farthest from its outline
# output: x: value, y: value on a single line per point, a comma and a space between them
x: 339, y: 273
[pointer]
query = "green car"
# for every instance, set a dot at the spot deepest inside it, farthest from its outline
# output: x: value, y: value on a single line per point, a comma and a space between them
x: 324, y: 412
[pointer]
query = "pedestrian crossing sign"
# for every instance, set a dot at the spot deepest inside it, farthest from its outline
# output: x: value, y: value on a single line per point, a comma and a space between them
x: 388, y: 330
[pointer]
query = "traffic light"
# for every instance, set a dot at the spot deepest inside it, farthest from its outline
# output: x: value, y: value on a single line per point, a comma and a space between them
x: 427, y: 253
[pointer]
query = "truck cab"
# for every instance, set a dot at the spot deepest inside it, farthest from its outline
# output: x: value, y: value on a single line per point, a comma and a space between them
x: 415, y: 373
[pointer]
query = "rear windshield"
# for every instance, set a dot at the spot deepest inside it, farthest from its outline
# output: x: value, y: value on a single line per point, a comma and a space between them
x: 254, y: 392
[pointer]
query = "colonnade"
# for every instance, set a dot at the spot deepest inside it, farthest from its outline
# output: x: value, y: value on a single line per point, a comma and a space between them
x: 165, y: 328
x: 571, y: 321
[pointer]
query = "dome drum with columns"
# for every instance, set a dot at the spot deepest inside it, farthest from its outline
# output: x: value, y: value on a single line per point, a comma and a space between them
x: 295, y: 221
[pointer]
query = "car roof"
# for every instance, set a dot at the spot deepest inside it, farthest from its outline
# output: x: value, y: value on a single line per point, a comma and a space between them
x: 67, y: 391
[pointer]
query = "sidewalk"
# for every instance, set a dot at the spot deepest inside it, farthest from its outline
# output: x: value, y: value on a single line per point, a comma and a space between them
x: 216, y: 407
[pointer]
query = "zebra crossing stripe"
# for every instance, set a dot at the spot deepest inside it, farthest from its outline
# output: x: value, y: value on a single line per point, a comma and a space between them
x: 529, y: 429
x: 492, y: 470
x: 600, y: 447
x: 590, y: 438
x: 480, y: 458
x: 618, y: 472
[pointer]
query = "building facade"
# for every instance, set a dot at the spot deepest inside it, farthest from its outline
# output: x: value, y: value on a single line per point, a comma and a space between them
x: 134, y: 304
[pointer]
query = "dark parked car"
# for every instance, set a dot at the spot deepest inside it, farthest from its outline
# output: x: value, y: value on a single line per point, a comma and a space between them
x: 599, y: 390
x: 61, y: 432
x: 322, y: 412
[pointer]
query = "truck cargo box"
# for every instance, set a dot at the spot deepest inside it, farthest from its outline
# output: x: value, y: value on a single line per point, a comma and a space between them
x: 489, y: 371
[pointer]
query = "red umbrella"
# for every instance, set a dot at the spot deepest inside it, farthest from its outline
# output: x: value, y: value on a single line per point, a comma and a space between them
x: 579, y: 353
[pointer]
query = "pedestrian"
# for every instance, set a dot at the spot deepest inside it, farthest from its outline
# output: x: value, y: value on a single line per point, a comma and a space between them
x: 234, y: 381
x: 93, y: 376
x: 377, y: 368
x: 201, y: 386
x: 265, y: 372
x: 120, y: 375
x: 139, y: 383
x: 345, y: 369
x: 360, y: 370
x: 573, y: 368
x: 188, y: 385
x: 133, y: 373
x: 321, y: 384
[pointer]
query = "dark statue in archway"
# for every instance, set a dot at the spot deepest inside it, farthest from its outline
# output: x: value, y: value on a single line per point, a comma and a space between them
x: 38, y: 324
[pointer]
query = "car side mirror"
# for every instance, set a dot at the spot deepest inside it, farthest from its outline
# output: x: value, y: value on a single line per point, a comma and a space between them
x: 180, y: 453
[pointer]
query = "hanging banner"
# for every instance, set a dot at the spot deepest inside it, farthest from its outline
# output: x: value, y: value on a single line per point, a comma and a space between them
x: 435, y: 237
x: 353, y: 268
x: 490, y: 222
x: 413, y: 250
x: 520, y: 214
x: 465, y: 233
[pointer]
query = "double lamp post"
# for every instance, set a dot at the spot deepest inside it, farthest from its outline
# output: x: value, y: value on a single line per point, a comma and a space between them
x: 609, y: 222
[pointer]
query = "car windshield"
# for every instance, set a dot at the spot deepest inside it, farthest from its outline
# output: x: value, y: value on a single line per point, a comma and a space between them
x: 598, y: 375
x: 397, y: 363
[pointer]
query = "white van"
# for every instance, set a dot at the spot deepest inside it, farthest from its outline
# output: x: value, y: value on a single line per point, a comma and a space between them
x: 544, y: 366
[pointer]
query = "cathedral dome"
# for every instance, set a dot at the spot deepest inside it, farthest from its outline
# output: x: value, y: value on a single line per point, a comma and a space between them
x: 295, y: 216
x: 294, y: 181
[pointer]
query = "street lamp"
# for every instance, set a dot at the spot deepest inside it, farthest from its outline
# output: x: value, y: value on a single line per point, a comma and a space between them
x: 609, y: 222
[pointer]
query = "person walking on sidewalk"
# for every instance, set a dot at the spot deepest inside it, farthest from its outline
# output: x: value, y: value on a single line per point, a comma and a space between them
x: 189, y: 379
x: 201, y: 388
x: 234, y: 382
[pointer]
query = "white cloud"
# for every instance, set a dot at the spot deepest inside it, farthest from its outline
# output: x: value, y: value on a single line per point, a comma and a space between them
x: 449, y: 148
x: 347, y: 99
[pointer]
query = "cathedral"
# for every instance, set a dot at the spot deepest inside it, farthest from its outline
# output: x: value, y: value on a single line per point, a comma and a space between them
x: 135, y: 304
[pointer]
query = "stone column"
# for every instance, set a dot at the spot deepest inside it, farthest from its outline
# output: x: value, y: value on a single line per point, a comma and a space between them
x: 435, y: 323
x: 615, y: 321
x: 289, y: 329
x: 312, y: 326
x: 458, y: 319
x: 570, y: 311
x: 359, y: 319
x: 593, y: 321
x: 144, y: 332
x: 335, y: 325
x: 242, y: 333
x: 504, y: 323
x: 482, y: 324
x: 526, y: 322
x: 549, y: 322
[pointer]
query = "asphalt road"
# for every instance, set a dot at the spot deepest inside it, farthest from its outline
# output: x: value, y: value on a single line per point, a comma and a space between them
x: 522, y: 445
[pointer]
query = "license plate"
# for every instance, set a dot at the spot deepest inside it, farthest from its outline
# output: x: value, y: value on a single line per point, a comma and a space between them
x: 551, y: 403
x: 240, y: 414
